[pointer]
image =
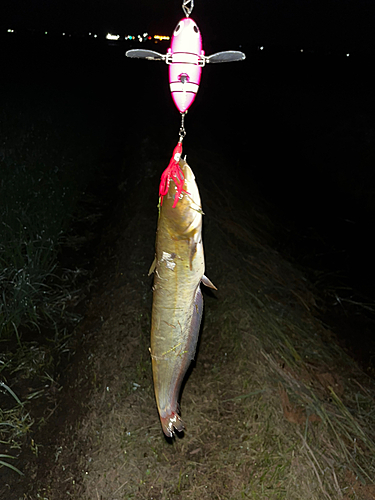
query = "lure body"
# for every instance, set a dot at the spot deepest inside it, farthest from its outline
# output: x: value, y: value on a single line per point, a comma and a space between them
x: 186, y: 59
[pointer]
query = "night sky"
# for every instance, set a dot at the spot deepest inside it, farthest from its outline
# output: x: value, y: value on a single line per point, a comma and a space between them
x: 339, y: 24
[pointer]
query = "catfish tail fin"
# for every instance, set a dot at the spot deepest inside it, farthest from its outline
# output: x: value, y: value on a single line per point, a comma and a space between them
x: 171, y: 423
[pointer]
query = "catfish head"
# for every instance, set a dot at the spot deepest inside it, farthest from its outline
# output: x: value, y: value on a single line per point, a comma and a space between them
x: 184, y: 220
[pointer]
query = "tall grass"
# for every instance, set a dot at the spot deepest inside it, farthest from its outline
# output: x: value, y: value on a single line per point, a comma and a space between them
x: 44, y: 165
x: 34, y: 212
x: 15, y: 422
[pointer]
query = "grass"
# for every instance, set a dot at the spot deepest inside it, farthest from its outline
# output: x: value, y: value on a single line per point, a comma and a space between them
x: 319, y: 387
x: 15, y: 424
x: 38, y: 195
x: 44, y: 168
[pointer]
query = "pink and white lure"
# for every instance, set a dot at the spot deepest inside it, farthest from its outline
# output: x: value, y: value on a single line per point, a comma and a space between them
x: 186, y: 59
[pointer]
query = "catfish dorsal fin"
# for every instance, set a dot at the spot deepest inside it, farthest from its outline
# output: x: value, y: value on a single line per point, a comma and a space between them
x: 208, y: 282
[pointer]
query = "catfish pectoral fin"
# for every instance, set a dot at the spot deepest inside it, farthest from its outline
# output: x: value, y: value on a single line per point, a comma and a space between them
x: 208, y: 282
x: 152, y: 267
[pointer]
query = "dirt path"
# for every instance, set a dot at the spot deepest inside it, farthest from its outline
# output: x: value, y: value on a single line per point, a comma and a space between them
x: 245, y: 437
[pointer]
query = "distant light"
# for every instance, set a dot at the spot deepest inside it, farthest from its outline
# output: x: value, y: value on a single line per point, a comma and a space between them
x: 95, y: 36
x: 10, y: 31
x: 301, y: 50
x: 161, y: 37
x: 149, y: 38
x: 109, y: 36
x: 89, y: 34
x: 64, y: 34
x: 261, y: 47
x: 46, y: 32
x: 347, y: 55
x: 145, y: 35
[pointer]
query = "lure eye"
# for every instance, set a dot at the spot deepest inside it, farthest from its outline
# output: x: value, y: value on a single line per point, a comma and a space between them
x: 178, y: 28
x: 196, y: 29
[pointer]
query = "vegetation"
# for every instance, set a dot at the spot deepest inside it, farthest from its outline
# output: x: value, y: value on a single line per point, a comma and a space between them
x: 44, y: 168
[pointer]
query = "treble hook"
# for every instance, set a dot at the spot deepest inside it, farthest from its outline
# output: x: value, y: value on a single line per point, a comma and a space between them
x: 188, y: 10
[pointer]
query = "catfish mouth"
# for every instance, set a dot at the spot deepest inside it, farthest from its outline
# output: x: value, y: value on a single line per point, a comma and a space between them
x: 186, y: 216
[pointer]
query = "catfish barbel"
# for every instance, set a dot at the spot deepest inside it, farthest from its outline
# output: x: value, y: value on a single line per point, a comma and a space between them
x: 177, y: 299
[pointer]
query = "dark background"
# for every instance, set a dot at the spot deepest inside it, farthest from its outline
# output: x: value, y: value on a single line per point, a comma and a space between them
x: 343, y: 25
x: 298, y: 125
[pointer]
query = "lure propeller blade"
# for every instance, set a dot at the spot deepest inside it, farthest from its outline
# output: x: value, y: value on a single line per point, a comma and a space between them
x: 226, y: 56
x: 145, y: 54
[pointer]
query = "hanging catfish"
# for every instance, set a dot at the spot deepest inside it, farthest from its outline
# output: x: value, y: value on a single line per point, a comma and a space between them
x: 177, y: 298
x: 186, y: 59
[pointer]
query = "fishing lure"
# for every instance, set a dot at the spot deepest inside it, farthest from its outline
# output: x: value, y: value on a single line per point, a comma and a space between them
x: 185, y: 58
